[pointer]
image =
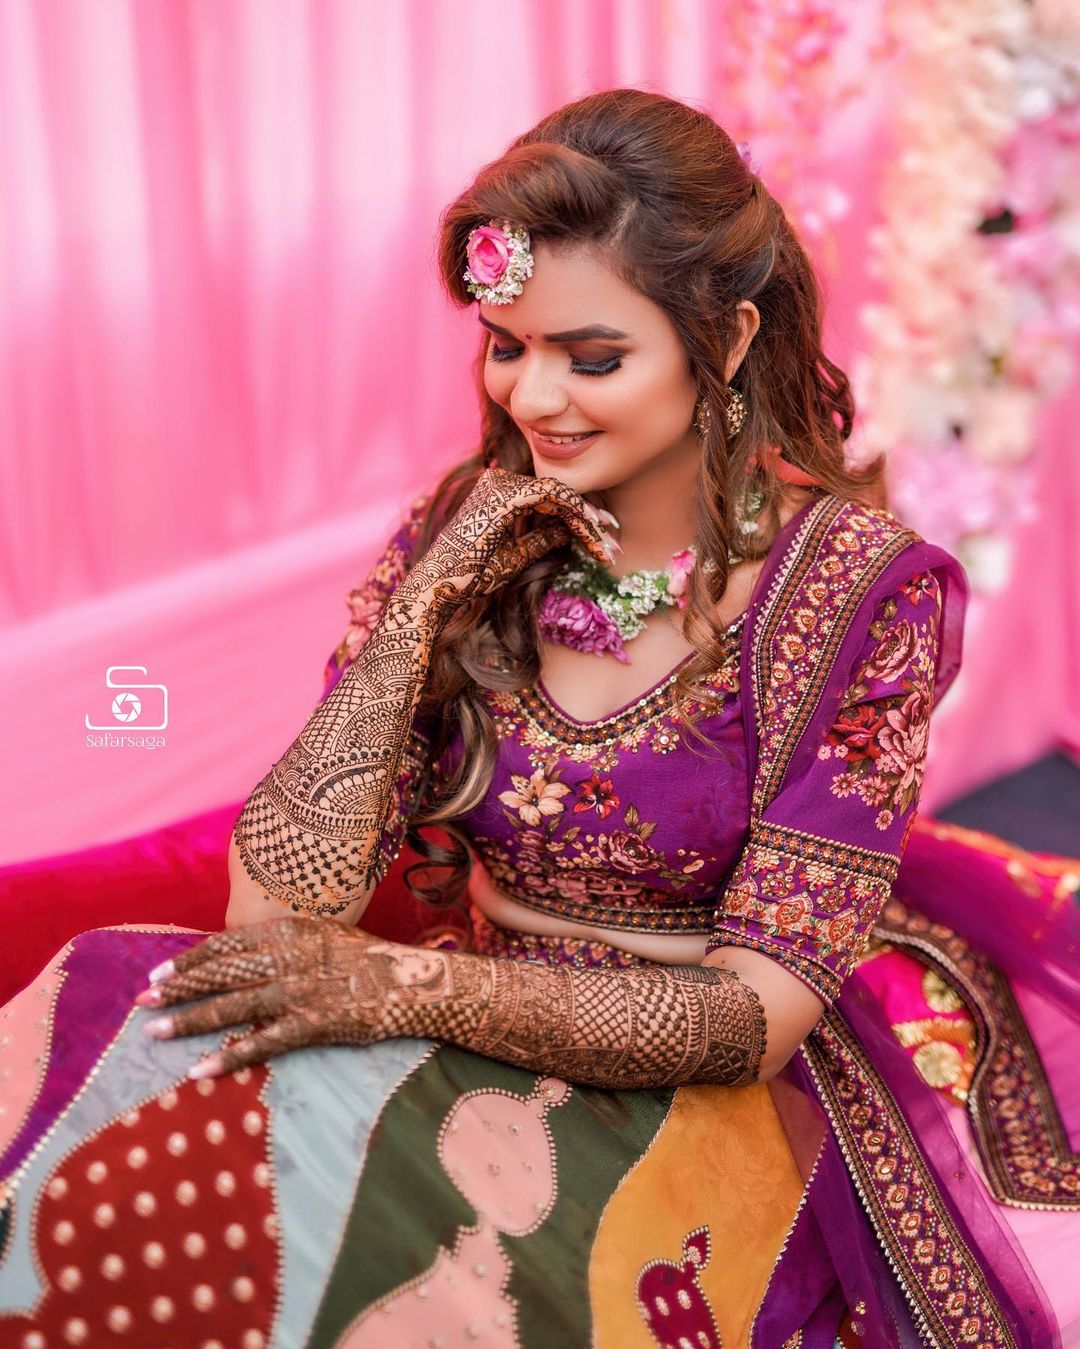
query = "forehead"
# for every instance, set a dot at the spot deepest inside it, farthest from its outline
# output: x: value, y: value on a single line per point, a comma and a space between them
x: 571, y: 286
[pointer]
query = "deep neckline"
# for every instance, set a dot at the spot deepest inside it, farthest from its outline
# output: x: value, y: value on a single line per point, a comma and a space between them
x: 542, y: 688
x: 775, y: 554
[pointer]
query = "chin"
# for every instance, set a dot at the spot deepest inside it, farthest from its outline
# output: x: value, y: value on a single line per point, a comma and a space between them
x: 584, y: 477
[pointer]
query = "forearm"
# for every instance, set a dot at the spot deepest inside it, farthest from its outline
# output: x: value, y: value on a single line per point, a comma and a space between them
x: 311, y: 833
x: 643, y: 1027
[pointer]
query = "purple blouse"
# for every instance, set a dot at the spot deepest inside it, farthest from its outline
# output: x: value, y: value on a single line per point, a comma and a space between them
x: 784, y: 832
x: 617, y: 822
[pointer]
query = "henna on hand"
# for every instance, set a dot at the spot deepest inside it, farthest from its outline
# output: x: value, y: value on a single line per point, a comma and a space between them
x: 477, y: 551
x: 643, y: 1027
x: 312, y: 832
x: 313, y: 983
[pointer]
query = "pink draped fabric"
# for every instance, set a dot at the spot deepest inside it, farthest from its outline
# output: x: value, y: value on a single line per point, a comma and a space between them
x: 226, y: 365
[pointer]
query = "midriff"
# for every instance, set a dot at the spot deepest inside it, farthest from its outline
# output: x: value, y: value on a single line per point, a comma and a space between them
x: 665, y: 948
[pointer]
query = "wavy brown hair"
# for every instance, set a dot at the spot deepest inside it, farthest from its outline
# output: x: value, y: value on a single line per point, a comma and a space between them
x: 662, y: 190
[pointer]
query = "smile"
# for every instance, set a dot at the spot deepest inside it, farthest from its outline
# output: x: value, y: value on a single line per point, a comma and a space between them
x: 563, y: 447
x: 567, y: 439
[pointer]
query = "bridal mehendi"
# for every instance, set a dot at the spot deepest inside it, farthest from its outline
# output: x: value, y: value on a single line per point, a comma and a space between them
x: 320, y: 984
x: 311, y: 832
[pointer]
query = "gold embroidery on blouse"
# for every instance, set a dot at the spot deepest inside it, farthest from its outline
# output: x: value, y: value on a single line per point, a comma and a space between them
x: 542, y: 726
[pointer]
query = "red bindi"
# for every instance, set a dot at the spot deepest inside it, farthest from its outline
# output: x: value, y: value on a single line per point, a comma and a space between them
x: 529, y: 336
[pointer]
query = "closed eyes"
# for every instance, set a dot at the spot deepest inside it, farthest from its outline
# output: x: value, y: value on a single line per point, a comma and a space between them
x: 499, y: 354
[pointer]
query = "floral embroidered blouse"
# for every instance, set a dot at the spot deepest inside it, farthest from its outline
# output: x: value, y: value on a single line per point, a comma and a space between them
x: 785, y: 840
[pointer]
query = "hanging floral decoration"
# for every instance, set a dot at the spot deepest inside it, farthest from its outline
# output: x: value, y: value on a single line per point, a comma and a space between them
x: 978, y: 254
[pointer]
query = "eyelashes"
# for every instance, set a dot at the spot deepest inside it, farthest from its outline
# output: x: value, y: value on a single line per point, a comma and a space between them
x: 607, y: 367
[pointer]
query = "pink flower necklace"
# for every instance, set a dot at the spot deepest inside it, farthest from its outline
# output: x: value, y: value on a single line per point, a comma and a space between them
x: 591, y: 610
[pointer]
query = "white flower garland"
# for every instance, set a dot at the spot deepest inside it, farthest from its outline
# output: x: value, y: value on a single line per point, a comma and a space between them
x: 979, y: 251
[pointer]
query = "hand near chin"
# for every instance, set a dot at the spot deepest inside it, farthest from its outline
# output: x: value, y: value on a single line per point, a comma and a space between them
x: 308, y: 981
x: 480, y: 549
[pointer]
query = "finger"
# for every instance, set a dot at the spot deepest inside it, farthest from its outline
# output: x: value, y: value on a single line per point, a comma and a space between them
x: 218, y: 943
x: 539, y: 542
x: 228, y: 942
x: 216, y: 975
x: 242, y: 1004
x: 550, y: 496
x: 596, y: 541
x: 260, y: 1045
x: 581, y: 517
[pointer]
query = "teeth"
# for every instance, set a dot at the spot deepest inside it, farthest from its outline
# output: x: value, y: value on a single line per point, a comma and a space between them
x: 567, y: 440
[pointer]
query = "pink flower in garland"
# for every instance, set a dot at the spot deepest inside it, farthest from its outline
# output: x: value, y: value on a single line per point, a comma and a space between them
x: 682, y: 564
x: 576, y: 621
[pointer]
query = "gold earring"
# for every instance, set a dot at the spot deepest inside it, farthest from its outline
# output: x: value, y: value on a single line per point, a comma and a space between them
x: 736, y: 411
x: 702, y: 416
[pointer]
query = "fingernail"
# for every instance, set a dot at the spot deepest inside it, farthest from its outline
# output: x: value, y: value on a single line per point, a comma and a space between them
x: 149, y: 997
x: 162, y: 971
x: 204, y: 1068
x: 610, y: 518
x: 161, y: 1026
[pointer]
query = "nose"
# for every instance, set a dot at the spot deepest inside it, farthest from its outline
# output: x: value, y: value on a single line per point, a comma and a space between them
x: 537, y: 393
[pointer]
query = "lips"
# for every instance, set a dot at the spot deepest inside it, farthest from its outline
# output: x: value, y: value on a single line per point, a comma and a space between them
x: 550, y: 450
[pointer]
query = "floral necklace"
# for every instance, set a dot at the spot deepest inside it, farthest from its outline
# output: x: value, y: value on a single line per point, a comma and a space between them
x: 591, y: 610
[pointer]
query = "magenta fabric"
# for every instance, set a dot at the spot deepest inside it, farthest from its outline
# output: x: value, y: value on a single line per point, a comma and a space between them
x: 1019, y: 908
x: 642, y: 841
x: 93, y: 1003
x: 831, y: 819
x: 176, y: 874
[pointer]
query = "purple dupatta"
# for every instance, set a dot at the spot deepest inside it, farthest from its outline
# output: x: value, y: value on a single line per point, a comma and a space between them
x: 918, y: 1245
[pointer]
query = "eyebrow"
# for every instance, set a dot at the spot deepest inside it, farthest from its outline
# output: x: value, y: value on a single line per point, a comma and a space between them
x: 594, y: 330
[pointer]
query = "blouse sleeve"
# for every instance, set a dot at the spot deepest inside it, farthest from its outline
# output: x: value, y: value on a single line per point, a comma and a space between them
x: 819, y: 863
x: 368, y: 600
x: 366, y: 603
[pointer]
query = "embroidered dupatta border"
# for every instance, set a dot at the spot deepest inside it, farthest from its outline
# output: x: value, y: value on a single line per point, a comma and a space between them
x: 940, y: 1276
x: 807, y: 664
x: 1021, y: 1138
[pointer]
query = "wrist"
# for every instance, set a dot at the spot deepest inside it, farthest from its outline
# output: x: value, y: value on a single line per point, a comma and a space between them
x: 434, y: 597
x: 430, y: 993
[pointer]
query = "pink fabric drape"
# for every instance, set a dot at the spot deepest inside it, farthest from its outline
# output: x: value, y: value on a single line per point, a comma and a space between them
x: 226, y: 365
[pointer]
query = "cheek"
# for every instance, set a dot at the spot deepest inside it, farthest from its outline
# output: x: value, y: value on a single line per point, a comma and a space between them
x: 496, y: 382
x: 650, y: 401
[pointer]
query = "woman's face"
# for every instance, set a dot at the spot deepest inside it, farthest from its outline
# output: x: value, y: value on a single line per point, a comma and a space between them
x: 632, y: 384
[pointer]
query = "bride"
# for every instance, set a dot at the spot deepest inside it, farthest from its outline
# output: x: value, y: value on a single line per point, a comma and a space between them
x: 707, y: 1038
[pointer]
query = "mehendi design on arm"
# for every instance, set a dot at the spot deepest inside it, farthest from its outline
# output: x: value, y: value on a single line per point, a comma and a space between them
x: 318, y: 983
x: 311, y: 832
x: 642, y: 1027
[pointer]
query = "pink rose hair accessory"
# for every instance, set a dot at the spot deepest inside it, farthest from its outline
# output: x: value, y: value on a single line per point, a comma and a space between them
x: 499, y: 261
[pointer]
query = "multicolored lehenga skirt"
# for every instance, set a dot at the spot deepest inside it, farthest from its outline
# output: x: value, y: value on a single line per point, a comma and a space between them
x: 409, y: 1193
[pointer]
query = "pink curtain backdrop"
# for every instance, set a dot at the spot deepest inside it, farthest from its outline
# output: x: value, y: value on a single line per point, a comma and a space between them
x: 226, y: 365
